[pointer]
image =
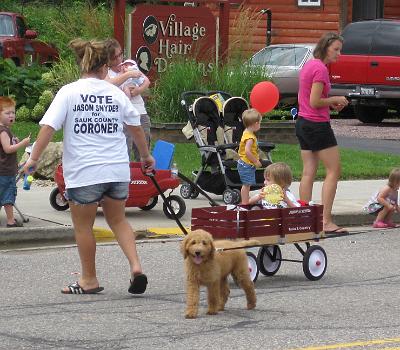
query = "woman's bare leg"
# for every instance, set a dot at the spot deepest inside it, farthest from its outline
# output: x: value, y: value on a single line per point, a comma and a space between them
x: 114, y: 212
x: 83, y: 217
x: 331, y: 159
x: 310, y: 166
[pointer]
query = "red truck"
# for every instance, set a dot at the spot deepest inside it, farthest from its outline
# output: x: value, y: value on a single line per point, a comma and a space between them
x: 20, y: 44
x: 368, y: 69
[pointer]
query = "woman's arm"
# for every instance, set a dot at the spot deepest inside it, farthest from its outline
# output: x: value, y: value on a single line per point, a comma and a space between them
x: 317, y: 101
x: 138, y: 90
x: 122, y: 77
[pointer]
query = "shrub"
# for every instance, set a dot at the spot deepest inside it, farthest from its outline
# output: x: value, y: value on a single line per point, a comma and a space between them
x: 38, y: 112
x: 23, y: 113
x: 233, y: 78
x: 22, y: 82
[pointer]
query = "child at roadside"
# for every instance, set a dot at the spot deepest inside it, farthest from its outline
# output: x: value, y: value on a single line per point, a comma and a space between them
x: 248, y: 152
x: 9, y: 145
x: 385, y: 202
x: 130, y: 82
x: 277, y: 179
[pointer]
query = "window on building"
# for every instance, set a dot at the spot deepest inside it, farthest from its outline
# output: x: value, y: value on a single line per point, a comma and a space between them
x: 315, y: 3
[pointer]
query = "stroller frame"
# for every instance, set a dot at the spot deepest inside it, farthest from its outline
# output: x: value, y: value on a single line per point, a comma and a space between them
x: 212, y: 155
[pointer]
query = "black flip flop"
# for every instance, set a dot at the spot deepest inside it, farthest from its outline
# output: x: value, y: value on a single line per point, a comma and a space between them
x: 138, y: 284
x: 337, y: 231
x: 75, y: 288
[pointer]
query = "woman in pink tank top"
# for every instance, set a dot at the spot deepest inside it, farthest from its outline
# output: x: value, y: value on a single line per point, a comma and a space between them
x: 313, y: 130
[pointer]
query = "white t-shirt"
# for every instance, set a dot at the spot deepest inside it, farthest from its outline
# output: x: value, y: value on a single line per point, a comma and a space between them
x: 137, y: 101
x: 92, y: 112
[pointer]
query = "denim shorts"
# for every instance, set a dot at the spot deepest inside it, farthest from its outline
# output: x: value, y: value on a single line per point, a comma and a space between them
x: 8, y: 190
x: 95, y: 193
x: 247, y: 173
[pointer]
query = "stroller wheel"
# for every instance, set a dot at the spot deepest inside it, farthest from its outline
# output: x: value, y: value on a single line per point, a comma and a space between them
x: 189, y: 191
x: 177, y: 204
x: 237, y: 196
x: 230, y: 196
x: 57, y: 200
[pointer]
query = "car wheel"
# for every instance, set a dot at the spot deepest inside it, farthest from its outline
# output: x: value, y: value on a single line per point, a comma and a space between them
x: 370, y: 114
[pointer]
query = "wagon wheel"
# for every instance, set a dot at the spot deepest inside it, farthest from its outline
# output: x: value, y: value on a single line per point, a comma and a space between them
x: 57, y: 200
x: 177, y: 204
x: 314, y: 263
x: 269, y: 259
x: 150, y: 204
x: 253, y: 266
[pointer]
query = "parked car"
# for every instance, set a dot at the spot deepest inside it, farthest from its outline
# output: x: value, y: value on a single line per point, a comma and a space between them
x: 19, y: 43
x: 368, y: 70
x: 283, y: 63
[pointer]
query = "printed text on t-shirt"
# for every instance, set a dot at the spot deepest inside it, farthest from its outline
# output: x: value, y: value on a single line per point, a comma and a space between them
x: 95, y: 122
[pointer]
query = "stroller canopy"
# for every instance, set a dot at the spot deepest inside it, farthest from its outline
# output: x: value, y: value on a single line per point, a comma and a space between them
x: 232, y: 111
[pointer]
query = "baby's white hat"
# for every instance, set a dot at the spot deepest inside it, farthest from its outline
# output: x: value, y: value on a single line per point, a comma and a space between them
x: 129, y: 61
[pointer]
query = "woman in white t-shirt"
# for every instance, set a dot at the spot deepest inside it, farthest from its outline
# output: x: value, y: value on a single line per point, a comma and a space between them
x: 92, y: 113
x: 118, y: 75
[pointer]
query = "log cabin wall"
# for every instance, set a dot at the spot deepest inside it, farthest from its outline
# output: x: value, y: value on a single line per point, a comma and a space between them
x: 290, y: 23
x: 391, y: 9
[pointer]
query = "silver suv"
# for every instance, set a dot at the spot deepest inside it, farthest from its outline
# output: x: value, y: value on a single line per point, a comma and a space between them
x: 282, y: 63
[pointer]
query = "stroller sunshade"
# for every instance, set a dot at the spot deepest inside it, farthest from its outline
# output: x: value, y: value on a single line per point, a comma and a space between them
x: 206, y: 111
x: 233, y: 109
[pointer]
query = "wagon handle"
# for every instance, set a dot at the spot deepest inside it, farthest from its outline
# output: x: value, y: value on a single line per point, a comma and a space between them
x: 157, y: 186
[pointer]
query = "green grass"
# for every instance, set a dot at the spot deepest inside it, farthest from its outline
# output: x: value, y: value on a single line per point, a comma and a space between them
x: 355, y: 164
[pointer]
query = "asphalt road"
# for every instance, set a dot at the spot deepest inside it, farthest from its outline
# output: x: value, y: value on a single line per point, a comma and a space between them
x: 355, y: 304
x: 373, y: 145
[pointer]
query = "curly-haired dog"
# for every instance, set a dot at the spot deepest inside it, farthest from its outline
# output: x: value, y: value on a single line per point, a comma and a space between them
x: 208, y: 267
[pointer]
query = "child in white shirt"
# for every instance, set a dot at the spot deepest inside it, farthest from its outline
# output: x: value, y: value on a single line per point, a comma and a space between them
x: 278, y: 174
x: 384, y: 202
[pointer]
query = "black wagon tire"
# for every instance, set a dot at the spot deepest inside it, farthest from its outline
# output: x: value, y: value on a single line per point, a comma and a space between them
x: 57, y: 200
x: 178, y: 206
x: 253, y: 266
x: 269, y: 259
x: 315, y: 262
x: 150, y: 204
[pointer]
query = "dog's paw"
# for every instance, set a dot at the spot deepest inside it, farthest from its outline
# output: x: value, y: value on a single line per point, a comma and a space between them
x: 251, y: 306
x: 190, y: 315
x: 212, y: 312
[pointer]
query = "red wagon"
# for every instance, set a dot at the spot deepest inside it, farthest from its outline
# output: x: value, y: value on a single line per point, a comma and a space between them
x: 272, y: 228
x: 142, y: 192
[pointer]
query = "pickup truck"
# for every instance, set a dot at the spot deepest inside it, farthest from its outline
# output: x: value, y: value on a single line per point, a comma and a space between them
x: 368, y: 69
x: 20, y: 44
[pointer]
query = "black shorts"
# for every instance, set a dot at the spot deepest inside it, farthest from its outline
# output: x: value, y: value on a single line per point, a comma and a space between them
x: 314, y: 136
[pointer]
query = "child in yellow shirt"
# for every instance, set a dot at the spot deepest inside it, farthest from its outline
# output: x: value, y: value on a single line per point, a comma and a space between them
x: 248, y: 152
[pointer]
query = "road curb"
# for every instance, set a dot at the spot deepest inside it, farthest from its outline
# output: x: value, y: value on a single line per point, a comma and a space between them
x: 36, y: 234
x: 21, y: 235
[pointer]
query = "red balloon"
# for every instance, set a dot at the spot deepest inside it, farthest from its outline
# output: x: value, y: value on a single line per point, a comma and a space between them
x: 264, y: 96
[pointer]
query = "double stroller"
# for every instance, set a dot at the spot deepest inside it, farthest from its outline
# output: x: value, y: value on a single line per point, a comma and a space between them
x: 216, y: 120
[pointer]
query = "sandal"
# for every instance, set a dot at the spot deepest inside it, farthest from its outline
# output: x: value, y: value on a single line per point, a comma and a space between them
x: 15, y: 224
x: 138, y: 284
x: 75, y: 288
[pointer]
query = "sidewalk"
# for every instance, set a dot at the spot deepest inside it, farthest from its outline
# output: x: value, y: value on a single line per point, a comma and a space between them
x: 47, y: 224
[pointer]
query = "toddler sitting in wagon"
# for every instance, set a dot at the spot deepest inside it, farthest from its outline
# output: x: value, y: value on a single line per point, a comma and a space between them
x: 276, y: 193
